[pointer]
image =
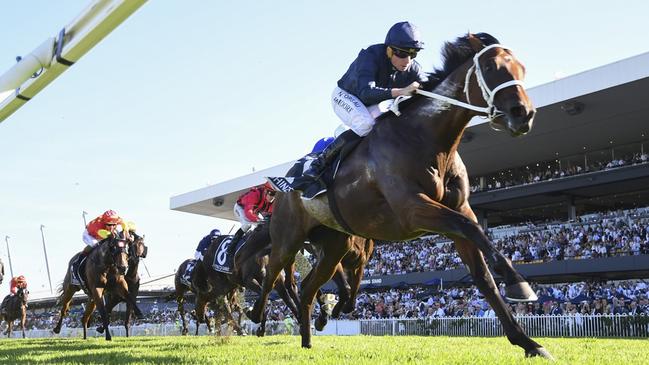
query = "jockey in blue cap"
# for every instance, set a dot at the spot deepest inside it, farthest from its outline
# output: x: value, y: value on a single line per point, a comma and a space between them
x: 379, y: 72
x: 205, y: 242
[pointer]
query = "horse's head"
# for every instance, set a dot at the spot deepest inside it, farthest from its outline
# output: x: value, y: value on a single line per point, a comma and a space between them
x: 117, y: 254
x: 137, y: 247
x: 23, y: 294
x: 499, y: 77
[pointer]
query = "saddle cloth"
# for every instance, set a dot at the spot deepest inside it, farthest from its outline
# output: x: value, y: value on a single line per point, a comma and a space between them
x: 186, y: 277
x: 77, y: 274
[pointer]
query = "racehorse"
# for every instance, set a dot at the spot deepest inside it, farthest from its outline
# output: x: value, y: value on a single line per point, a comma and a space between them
x: 137, y: 250
x: 201, y: 299
x: 104, y: 270
x: 406, y: 178
x: 249, y: 271
x: 15, y: 308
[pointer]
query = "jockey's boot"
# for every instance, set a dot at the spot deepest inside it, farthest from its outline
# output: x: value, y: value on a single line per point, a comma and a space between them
x: 232, y: 248
x: 75, y: 265
x: 329, y: 154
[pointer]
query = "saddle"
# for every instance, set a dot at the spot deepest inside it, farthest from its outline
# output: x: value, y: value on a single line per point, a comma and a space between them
x: 77, y: 274
x: 313, y: 189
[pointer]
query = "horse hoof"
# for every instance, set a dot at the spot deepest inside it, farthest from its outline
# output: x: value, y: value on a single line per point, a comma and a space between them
x: 56, y: 330
x: 100, y: 329
x: 260, y: 332
x: 540, y: 351
x: 320, y: 324
x: 306, y: 346
x: 520, y: 292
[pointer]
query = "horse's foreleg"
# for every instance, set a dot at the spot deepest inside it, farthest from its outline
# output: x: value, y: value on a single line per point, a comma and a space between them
x: 90, y: 307
x: 432, y: 216
x: 180, y: 299
x: 10, y: 325
x: 485, y: 283
x: 23, y: 318
x: 127, y: 318
x: 97, y: 297
x: 282, y: 254
x: 200, y: 306
x: 122, y: 291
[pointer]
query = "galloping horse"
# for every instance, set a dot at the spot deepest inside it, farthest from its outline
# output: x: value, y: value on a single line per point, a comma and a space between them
x: 104, y: 270
x: 201, y: 298
x: 406, y: 179
x: 15, y: 308
x: 137, y: 249
x: 249, y: 272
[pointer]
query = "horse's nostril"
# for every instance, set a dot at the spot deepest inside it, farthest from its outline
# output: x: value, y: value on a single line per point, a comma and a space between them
x: 517, y: 111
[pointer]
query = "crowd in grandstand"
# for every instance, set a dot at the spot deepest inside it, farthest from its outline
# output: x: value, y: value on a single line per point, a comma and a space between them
x: 551, y: 170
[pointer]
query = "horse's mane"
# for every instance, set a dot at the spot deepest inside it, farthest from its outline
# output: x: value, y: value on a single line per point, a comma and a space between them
x: 454, y: 54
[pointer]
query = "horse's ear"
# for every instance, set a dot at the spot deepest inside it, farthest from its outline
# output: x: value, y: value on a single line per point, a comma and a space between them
x: 475, y: 42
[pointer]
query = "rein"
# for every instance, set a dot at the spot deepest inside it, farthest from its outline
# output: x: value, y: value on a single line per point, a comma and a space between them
x: 487, y: 94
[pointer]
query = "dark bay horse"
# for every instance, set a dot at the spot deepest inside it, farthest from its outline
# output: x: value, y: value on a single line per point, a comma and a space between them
x: 104, y: 270
x: 249, y: 272
x: 406, y: 179
x: 15, y: 308
x: 201, y: 298
x: 137, y: 250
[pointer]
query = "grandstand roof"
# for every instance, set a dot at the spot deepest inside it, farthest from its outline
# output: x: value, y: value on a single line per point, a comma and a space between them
x: 614, y: 113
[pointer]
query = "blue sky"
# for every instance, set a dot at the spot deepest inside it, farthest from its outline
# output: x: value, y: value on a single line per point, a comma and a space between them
x: 186, y: 94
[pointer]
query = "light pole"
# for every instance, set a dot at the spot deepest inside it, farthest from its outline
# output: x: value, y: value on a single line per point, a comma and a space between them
x: 47, y: 264
x: 84, y: 214
x: 11, y: 268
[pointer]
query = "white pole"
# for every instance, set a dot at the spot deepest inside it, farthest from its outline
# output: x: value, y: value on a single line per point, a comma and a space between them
x: 47, y: 263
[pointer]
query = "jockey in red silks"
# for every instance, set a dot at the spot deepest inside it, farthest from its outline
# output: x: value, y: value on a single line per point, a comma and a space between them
x: 100, y: 228
x: 252, y: 208
x: 16, y: 283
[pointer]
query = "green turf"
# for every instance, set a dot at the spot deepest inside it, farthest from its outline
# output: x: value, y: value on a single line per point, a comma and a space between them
x: 327, y: 350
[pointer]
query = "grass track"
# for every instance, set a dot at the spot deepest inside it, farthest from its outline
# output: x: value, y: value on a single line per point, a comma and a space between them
x: 327, y: 350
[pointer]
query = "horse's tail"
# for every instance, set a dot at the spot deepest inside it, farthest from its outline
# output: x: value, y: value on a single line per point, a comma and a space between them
x: 59, y: 291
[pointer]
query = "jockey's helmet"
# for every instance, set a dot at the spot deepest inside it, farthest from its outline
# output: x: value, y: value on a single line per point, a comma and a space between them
x: 110, y: 217
x: 215, y: 232
x: 404, y: 35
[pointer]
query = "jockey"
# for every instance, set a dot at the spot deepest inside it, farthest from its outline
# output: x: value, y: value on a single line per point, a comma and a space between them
x: 252, y: 208
x: 100, y: 228
x: 205, y: 242
x: 380, y: 72
x: 16, y: 283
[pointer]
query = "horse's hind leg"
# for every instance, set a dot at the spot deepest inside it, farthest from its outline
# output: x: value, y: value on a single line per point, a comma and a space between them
x: 473, y: 258
x: 23, y: 318
x: 344, y: 291
x: 201, y: 304
x: 65, y: 300
x: 334, y: 250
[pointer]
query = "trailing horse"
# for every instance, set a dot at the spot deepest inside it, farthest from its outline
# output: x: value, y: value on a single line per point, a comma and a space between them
x: 406, y: 178
x: 104, y: 270
x: 249, y: 271
x: 137, y: 250
x: 15, y: 307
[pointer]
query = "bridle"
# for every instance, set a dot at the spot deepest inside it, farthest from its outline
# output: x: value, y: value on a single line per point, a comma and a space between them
x: 491, y: 111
